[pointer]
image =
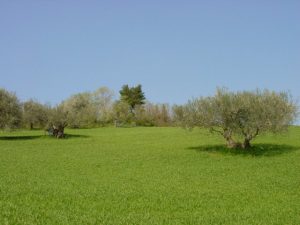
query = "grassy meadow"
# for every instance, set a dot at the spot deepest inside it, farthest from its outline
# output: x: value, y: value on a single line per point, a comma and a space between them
x: 139, y: 176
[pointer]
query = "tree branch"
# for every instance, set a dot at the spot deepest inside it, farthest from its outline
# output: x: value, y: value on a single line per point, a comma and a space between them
x: 217, y: 131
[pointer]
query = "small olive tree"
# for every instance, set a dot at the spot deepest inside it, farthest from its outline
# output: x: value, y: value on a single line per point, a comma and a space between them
x: 10, y: 110
x: 241, y: 115
x: 57, y: 122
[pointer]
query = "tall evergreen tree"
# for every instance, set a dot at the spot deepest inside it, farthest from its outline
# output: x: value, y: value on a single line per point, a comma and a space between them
x: 133, y: 96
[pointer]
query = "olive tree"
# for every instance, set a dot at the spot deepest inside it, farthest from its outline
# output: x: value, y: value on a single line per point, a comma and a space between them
x: 242, y: 116
x: 35, y: 114
x: 57, y: 121
x: 10, y: 110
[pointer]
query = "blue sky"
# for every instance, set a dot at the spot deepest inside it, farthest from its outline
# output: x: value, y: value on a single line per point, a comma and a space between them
x: 50, y: 49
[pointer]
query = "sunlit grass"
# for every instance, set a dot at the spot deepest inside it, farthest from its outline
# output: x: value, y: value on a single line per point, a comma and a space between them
x: 116, y: 176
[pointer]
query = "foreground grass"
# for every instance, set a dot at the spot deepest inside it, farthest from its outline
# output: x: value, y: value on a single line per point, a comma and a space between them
x: 147, y: 176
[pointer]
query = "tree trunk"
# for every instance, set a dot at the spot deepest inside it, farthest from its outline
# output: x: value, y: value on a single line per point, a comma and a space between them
x: 232, y: 144
x: 246, y: 143
x: 59, y: 132
x: 31, y: 126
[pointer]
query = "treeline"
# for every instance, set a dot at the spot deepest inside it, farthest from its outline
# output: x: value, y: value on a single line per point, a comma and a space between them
x: 85, y: 110
x: 238, y: 116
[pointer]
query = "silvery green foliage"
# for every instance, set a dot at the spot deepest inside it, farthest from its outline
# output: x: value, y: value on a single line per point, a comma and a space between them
x: 151, y: 114
x: 10, y: 110
x: 102, y: 99
x: 35, y: 114
x: 89, y: 108
x: 122, y: 113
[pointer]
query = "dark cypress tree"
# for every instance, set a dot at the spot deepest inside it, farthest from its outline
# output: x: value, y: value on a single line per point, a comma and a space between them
x: 133, y: 96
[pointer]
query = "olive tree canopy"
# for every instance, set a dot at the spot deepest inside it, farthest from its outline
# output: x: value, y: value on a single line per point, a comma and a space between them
x: 10, y: 110
x: 89, y: 108
x: 35, y: 114
x: 241, y: 115
x: 80, y: 110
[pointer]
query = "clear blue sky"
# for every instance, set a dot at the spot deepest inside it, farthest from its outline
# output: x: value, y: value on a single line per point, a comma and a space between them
x: 50, y: 49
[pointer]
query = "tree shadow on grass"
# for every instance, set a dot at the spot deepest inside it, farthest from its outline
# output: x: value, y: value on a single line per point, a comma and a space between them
x: 66, y: 137
x: 19, y: 138
x: 33, y: 137
x: 256, y: 150
x: 71, y: 136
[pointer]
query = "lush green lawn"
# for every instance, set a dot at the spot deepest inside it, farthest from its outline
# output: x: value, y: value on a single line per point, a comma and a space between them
x: 115, y: 176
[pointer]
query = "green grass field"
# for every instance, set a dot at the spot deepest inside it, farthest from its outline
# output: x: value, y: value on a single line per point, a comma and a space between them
x: 137, y: 176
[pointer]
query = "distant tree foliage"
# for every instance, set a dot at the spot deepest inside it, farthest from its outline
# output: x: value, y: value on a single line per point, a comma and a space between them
x: 35, y: 114
x: 80, y: 110
x: 102, y: 100
x: 122, y: 113
x: 177, y: 114
x: 89, y: 109
x: 134, y: 96
x: 242, y: 115
x: 238, y: 117
x: 153, y: 115
x: 10, y: 110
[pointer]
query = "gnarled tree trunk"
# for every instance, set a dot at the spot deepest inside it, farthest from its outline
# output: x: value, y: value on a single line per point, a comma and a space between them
x: 230, y: 142
x: 246, y: 143
x: 59, y: 131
